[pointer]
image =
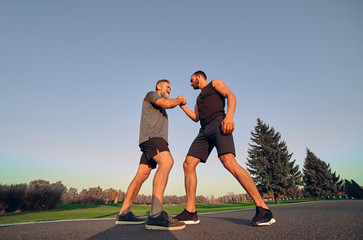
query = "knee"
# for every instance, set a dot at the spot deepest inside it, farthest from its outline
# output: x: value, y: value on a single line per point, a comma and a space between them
x: 171, y: 163
x: 140, y: 178
x: 167, y: 163
x: 228, y: 161
x: 144, y: 176
x: 188, y: 165
x: 164, y: 160
x: 185, y: 166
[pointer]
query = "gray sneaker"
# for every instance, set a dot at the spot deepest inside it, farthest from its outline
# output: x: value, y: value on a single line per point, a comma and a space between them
x: 128, y: 218
x: 163, y: 221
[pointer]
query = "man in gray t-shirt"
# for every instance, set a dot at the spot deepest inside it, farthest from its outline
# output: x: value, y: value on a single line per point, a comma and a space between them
x: 153, y: 142
x: 154, y: 119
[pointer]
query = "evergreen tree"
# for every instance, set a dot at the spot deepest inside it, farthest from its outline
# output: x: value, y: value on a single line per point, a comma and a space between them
x: 270, y: 165
x: 338, y: 185
x: 352, y: 189
x: 318, y: 179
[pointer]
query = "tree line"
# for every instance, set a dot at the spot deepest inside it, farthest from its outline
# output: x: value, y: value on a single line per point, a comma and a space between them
x: 269, y: 162
x: 43, y: 195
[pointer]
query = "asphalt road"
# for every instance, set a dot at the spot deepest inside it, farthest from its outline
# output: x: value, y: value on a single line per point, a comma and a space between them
x: 341, y: 219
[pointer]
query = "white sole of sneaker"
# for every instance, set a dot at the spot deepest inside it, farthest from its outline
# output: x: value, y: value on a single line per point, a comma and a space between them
x: 154, y: 227
x: 128, y: 223
x: 190, y: 222
x: 272, y: 221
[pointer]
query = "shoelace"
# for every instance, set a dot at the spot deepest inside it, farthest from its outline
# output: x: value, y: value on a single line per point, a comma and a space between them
x: 170, y: 218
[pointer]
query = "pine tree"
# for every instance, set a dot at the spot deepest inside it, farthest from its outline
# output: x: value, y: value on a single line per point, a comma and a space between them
x: 270, y: 165
x: 353, y: 189
x: 338, y: 186
x: 318, y: 179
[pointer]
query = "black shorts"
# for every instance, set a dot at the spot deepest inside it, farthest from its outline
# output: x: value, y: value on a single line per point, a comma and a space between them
x: 150, y: 149
x: 209, y: 137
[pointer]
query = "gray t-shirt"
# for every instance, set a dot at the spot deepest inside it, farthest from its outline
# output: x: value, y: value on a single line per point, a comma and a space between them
x: 154, y: 119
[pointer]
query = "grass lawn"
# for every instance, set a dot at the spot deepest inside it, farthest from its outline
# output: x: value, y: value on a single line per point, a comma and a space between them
x: 75, y: 211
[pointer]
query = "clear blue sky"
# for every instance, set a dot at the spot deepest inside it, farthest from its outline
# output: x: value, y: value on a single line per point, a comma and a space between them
x: 73, y: 75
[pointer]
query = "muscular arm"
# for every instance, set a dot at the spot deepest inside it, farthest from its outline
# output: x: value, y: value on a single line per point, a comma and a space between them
x: 192, y: 115
x: 221, y: 88
x: 169, y: 103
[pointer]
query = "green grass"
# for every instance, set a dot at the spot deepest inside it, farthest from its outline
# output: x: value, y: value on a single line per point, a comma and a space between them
x: 75, y: 211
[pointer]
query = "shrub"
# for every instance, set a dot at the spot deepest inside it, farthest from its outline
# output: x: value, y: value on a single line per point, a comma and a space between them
x: 35, y: 196
x: 43, y: 196
x: 12, y: 197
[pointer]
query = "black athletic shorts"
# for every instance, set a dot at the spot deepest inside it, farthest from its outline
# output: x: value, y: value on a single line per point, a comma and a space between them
x: 149, y: 150
x: 209, y: 137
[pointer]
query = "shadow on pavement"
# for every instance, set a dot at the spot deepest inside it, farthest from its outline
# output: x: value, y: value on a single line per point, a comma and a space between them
x: 239, y: 221
x: 132, y: 232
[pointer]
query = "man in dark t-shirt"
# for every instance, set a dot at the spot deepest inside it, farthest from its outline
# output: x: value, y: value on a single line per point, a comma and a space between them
x: 153, y: 142
x: 216, y: 131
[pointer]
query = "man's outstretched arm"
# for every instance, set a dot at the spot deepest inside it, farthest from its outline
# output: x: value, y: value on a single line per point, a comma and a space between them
x: 170, y: 103
x: 192, y: 115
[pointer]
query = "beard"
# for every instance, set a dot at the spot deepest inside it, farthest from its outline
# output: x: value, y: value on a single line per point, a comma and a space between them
x: 164, y: 94
x: 196, y: 84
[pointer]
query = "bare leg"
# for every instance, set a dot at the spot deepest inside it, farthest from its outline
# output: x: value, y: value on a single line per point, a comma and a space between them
x: 190, y: 173
x: 229, y: 162
x: 165, y: 163
x: 142, y: 174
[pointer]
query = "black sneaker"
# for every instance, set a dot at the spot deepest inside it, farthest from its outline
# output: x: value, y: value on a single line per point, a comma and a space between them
x: 188, y: 217
x: 163, y: 221
x: 128, y: 218
x: 263, y: 217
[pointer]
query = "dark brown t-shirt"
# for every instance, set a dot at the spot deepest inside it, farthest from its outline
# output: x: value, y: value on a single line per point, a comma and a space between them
x: 210, y: 104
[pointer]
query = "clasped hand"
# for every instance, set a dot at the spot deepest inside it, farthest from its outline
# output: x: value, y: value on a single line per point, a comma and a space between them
x: 184, y: 100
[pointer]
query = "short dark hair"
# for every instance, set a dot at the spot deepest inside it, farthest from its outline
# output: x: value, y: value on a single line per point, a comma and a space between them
x: 160, y: 81
x: 199, y: 72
